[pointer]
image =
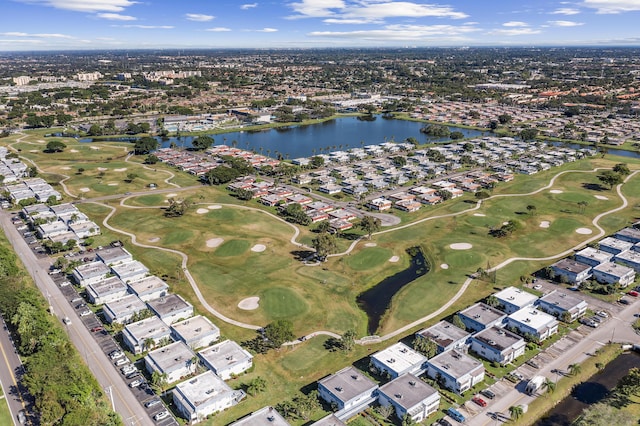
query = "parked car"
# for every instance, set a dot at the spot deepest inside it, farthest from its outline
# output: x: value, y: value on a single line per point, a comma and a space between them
x: 517, y: 375
x: 624, y: 301
x: 122, y: 361
x: 633, y: 293
x: 456, y: 415
x: 444, y: 422
x: 487, y: 393
x: 602, y: 314
x: 66, y: 320
x: 116, y: 354
x: 133, y: 375
x: 481, y: 402
x: 152, y: 403
x: 85, y: 313
x: 128, y: 369
x: 161, y: 415
x: 76, y: 299
x: 81, y: 305
x: 64, y: 283
x: 136, y: 383
x: 22, y: 418
x: 532, y: 363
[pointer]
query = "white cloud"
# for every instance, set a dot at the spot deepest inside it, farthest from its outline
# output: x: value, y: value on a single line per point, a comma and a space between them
x: 40, y: 35
x: 515, y: 32
x: 248, y: 6
x: 612, y: 6
x: 198, y: 17
x: 147, y: 27
x: 345, y: 21
x: 267, y: 30
x: 370, y: 11
x: 218, y: 29
x: 515, y: 24
x: 565, y: 23
x: 403, y: 33
x: 85, y: 5
x: 26, y: 41
x: 116, y: 17
x: 565, y: 11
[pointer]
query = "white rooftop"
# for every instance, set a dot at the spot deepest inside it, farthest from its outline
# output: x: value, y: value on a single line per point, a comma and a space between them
x: 533, y: 318
x: 516, y: 296
x: 399, y: 357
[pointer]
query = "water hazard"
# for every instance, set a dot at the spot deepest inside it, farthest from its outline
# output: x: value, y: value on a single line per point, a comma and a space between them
x: 377, y: 299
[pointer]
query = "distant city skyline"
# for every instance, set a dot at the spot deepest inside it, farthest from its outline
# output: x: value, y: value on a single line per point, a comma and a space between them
x: 28, y: 25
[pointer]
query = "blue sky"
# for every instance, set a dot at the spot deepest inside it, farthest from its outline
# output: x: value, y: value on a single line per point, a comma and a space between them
x: 131, y: 24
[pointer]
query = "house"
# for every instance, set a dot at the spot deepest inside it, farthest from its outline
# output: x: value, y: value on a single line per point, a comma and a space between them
x: 497, y: 344
x: 171, y: 308
x: 130, y: 271
x: 571, y: 271
x: 379, y: 204
x: 446, y: 336
x: 631, y: 235
x: 410, y: 397
x: 175, y: 360
x: 113, y: 255
x: 149, y: 288
x: 592, y: 257
x: 84, y: 229
x: 106, y: 290
x: 196, y: 332
x: 226, y: 359
x: 146, y: 334
x: 557, y: 303
x: 330, y: 188
x: 51, y: 229
x: 122, y: 310
x: 530, y: 321
x: 480, y: 316
x: 330, y: 420
x: 613, y: 273
x: 398, y: 359
x: 204, y: 395
x: 266, y: 416
x: 455, y: 371
x: 350, y: 391
x: 89, y: 273
x: 614, y: 245
x: 408, y: 206
x: 630, y: 258
x: 513, y: 299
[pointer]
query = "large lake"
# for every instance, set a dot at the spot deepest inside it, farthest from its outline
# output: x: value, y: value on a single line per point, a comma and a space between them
x: 333, y: 135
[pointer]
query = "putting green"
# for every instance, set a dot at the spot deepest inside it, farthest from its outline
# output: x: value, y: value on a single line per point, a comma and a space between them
x: 232, y: 248
x: 368, y: 258
x: 281, y: 302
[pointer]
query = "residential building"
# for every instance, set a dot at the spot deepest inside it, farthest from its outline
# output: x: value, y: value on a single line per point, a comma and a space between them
x: 330, y: 420
x: 446, y: 336
x: 480, y: 316
x: 146, y: 334
x: 149, y: 288
x: 398, y: 359
x: 90, y: 273
x: 557, y: 303
x: 497, y: 344
x: 106, y: 290
x: 226, y: 359
x: 130, y: 271
x: 196, y: 332
x: 530, y: 321
x: 266, y: 416
x: 350, y: 391
x: 122, y: 310
x: 612, y: 273
x: 571, y: 271
x: 171, y: 308
x: 631, y: 235
x: 630, y: 258
x: 204, y: 395
x: 410, y: 396
x: 614, y: 246
x: 592, y: 257
x: 175, y: 360
x: 513, y: 299
x: 455, y: 371
x: 113, y: 255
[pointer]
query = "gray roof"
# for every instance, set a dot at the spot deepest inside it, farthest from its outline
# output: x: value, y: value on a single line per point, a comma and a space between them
x: 444, y: 333
x: 330, y: 420
x: 482, y: 313
x: 347, y: 383
x: 266, y: 416
x: 562, y: 300
x: 571, y: 265
x: 407, y: 391
x: 455, y: 364
x: 168, y: 304
x: 171, y: 357
x: 497, y: 338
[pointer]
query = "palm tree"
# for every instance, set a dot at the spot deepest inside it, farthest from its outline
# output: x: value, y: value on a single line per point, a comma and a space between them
x: 160, y: 381
x: 194, y: 363
x: 549, y: 385
x: 574, y: 369
x: 516, y: 412
x: 148, y: 344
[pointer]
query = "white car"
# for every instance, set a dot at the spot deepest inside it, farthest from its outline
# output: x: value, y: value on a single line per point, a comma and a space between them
x: 136, y: 383
x: 602, y: 314
x: 537, y: 287
x: 128, y: 369
x: 64, y: 283
x: 161, y: 415
x: 66, y: 320
x: 116, y: 354
x: 85, y: 313
x: 122, y: 361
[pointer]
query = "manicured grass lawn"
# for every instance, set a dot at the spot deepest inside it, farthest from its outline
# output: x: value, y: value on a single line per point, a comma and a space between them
x: 282, y: 302
x: 368, y: 258
x: 5, y: 414
x: 232, y: 248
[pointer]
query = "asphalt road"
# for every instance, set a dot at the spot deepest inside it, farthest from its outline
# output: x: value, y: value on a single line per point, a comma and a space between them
x: 125, y: 403
x: 11, y: 370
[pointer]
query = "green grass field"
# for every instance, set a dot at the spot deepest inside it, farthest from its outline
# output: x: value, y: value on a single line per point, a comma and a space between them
x: 5, y: 414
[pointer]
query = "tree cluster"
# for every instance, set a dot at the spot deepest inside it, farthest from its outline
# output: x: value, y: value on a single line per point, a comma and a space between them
x: 232, y: 169
x: 271, y: 337
x: 505, y: 230
x: 300, y: 407
x: 294, y: 212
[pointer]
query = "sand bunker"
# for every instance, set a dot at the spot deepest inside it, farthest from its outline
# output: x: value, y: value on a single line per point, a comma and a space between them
x: 370, y: 245
x: 505, y: 223
x: 95, y: 148
x: 258, y: 248
x: 394, y: 259
x: 102, y: 169
x: 112, y: 184
x: 214, y: 242
x: 460, y: 246
x: 556, y: 191
x: 249, y: 304
x: 84, y: 190
x: 601, y: 197
x: 479, y: 214
x: 33, y: 150
x: 73, y: 151
x: 171, y: 195
x: 214, y: 207
x: 444, y: 266
x: 202, y: 211
x: 65, y: 168
x: 154, y: 239
x: 545, y: 224
x: 122, y: 169
x: 584, y: 231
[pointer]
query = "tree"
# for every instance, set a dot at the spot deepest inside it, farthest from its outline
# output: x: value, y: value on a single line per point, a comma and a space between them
x: 323, y: 227
x: 601, y: 414
x: 131, y: 177
x: 278, y: 332
x: 574, y: 369
x: 426, y: 347
x: 528, y: 134
x: 176, y: 208
x: 324, y: 244
x: 444, y: 194
x: 256, y: 386
x: 151, y: 159
x: 348, y: 340
x: 549, y: 385
x: 504, y: 119
x: 159, y: 381
x: 482, y: 195
x: 95, y: 130
x: 610, y: 178
x: 148, y: 344
x: 532, y: 209
x: 622, y: 169
x: 583, y: 205
x: 202, y: 142
x: 456, y: 135
x: 399, y: 161
x: 492, y: 301
x: 55, y: 146
x: 457, y: 321
x: 516, y: 412
x: 407, y: 420
x: 370, y: 224
x: 317, y: 162
x: 145, y: 145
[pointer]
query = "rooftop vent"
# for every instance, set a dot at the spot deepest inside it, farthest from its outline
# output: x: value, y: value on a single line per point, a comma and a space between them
x: 399, y: 395
x: 354, y: 377
x: 339, y: 388
x: 412, y: 383
x: 492, y: 342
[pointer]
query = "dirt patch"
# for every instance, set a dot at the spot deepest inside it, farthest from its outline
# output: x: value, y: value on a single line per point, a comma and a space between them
x: 460, y: 246
x: 95, y: 148
x: 214, y: 242
x: 258, y: 248
x: 112, y: 184
x: 601, y: 197
x: 394, y: 259
x: 556, y: 191
x: 122, y: 169
x: 102, y: 169
x: 249, y: 304
x: 154, y: 239
x: 202, y: 211
x: 370, y: 245
x: 584, y: 231
x: 73, y: 151
x: 65, y: 168
x: 171, y: 195
x: 85, y: 189
x: 33, y: 150
x: 545, y: 224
